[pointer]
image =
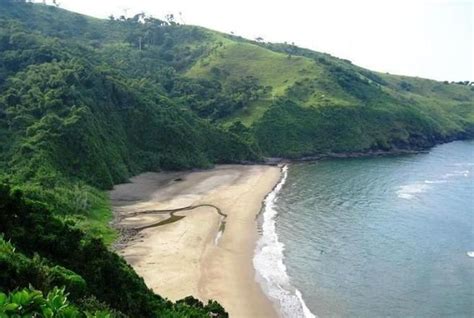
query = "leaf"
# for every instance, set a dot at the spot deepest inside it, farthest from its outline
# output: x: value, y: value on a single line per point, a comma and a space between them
x: 47, y: 312
x: 11, y: 307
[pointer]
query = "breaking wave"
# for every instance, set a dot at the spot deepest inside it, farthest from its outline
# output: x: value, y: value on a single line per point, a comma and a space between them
x: 269, y: 265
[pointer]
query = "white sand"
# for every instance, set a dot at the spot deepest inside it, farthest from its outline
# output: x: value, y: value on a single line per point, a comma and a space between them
x: 180, y: 259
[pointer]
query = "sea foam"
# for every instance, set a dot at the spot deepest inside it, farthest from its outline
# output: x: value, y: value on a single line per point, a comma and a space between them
x: 411, y: 190
x: 269, y: 265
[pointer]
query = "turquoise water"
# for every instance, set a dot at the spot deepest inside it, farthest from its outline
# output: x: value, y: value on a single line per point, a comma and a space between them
x: 373, y: 237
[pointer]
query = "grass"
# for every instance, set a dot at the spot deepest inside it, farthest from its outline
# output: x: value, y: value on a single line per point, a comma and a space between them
x: 96, y: 222
x: 250, y: 114
x: 309, y: 80
x: 451, y: 103
x: 240, y: 59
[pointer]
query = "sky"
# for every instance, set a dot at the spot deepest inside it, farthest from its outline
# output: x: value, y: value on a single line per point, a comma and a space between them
x: 426, y: 38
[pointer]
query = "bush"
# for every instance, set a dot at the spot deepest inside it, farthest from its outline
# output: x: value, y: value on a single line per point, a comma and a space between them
x: 32, y: 303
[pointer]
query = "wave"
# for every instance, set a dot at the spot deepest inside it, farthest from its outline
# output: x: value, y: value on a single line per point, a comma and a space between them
x: 269, y: 265
x: 411, y: 190
x: 435, y: 181
x: 456, y: 173
x: 464, y: 164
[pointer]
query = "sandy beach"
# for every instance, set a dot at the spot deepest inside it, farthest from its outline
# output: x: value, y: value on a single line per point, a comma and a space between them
x: 205, y: 249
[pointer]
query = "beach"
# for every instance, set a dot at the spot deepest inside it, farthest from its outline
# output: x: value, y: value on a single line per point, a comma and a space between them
x: 206, y: 247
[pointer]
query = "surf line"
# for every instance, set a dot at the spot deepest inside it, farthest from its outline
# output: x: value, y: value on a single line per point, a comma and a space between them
x: 269, y: 263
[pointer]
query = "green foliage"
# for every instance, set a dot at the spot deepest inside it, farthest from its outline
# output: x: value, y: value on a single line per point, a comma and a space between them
x: 230, y: 79
x: 17, y: 270
x: 292, y: 131
x: 288, y: 130
x: 32, y: 303
x: 82, y: 263
x: 354, y: 84
x: 317, y: 80
x: 64, y: 131
x: 75, y: 115
x: 209, y: 99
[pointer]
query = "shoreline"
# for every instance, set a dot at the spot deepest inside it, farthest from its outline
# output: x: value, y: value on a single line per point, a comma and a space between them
x: 360, y: 154
x: 343, y: 155
x: 269, y: 261
x: 200, y: 252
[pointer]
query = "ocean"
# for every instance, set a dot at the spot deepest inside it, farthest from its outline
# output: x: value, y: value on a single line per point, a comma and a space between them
x: 372, y: 237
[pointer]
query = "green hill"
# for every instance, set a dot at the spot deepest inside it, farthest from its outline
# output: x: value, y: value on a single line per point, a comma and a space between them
x: 316, y: 103
x: 87, y: 103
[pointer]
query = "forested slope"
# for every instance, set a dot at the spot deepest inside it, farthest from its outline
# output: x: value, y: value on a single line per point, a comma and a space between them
x: 80, y: 110
x: 71, y: 125
x: 86, y: 103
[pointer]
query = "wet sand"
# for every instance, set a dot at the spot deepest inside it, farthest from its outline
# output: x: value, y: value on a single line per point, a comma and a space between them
x: 185, y: 252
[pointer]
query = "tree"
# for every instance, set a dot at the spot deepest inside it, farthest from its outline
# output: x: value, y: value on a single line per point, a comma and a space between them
x: 291, y: 49
x: 170, y: 19
x: 181, y: 17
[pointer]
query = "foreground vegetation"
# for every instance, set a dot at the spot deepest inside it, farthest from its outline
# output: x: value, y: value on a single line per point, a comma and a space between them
x: 38, y: 249
x: 32, y: 303
x: 86, y: 103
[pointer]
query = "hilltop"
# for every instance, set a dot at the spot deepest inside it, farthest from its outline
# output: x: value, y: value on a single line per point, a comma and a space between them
x: 308, y: 103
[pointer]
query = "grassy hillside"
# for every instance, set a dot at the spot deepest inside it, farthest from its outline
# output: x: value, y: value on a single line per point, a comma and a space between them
x: 232, y: 60
x: 316, y: 103
x: 86, y: 103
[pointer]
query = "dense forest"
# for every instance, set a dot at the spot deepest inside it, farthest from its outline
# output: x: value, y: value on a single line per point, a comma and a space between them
x: 87, y: 103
